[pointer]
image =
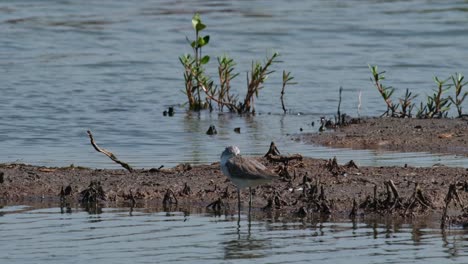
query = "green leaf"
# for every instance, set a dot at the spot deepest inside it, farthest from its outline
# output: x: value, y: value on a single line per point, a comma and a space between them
x: 196, y: 20
x: 206, y: 39
x: 202, y: 41
x: 200, y: 26
x: 205, y: 59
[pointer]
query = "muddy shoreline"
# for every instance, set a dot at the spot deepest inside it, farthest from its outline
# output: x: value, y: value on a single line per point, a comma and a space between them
x: 305, y: 187
x: 447, y: 136
x: 204, y: 186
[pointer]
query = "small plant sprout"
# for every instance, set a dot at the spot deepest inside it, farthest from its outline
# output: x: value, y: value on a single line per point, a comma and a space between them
x: 338, y: 119
x: 258, y: 75
x: 438, y: 106
x: 287, y: 78
x: 385, y: 92
x: 225, y: 73
x: 458, y: 83
x: 407, y: 104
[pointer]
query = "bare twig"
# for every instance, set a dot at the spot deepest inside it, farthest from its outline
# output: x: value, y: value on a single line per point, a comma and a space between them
x: 108, y: 153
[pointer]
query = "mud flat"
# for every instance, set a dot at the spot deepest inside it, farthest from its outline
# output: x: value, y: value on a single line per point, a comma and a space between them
x: 309, y: 188
x: 398, y: 134
x: 305, y: 187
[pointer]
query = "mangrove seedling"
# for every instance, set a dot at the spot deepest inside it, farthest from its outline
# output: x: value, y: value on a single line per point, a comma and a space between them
x: 287, y: 78
x: 225, y: 73
x: 458, y: 83
x: 407, y: 104
x: 196, y: 81
x: 438, y: 106
x: 385, y: 92
x: 194, y: 66
x: 258, y: 75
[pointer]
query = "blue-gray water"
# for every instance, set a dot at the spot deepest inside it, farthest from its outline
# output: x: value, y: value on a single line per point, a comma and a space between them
x: 112, y: 67
x: 50, y: 235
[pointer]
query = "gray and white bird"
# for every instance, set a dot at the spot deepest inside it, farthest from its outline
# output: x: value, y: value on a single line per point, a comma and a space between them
x: 244, y: 172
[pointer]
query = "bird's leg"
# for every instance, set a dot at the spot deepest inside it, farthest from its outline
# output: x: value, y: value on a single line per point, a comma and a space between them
x: 238, y: 202
x: 250, y: 198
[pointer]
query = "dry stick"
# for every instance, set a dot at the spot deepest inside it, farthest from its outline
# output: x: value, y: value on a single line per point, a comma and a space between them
x: 108, y: 153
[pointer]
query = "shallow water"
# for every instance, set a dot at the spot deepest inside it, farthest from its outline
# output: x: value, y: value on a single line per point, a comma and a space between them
x: 116, y: 235
x: 112, y: 67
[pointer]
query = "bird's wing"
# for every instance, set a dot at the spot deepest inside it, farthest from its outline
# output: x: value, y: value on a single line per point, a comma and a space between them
x: 249, y: 169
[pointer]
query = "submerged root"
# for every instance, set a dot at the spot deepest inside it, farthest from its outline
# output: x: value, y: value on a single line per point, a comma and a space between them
x: 218, y: 206
x: 452, y: 195
x: 65, y: 192
x: 418, y: 198
x: 390, y: 201
x: 312, y: 199
x: 169, y: 198
x: 275, y: 202
x: 333, y: 167
x: 272, y: 151
x: 93, y: 194
x: 186, y: 191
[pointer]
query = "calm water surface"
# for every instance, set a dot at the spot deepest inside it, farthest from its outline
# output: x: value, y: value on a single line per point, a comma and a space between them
x: 55, y: 235
x: 112, y: 67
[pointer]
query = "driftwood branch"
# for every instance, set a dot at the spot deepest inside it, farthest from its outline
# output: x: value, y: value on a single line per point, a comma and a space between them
x: 108, y: 153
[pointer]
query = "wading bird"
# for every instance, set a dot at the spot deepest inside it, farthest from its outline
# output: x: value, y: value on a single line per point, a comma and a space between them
x: 244, y: 172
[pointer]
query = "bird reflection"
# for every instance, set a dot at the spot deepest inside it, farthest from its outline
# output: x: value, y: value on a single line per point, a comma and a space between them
x: 245, y: 245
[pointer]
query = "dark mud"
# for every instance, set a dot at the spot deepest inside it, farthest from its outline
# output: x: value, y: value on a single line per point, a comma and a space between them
x: 305, y: 188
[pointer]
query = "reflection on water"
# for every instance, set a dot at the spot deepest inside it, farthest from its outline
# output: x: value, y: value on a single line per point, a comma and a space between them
x: 124, y: 235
